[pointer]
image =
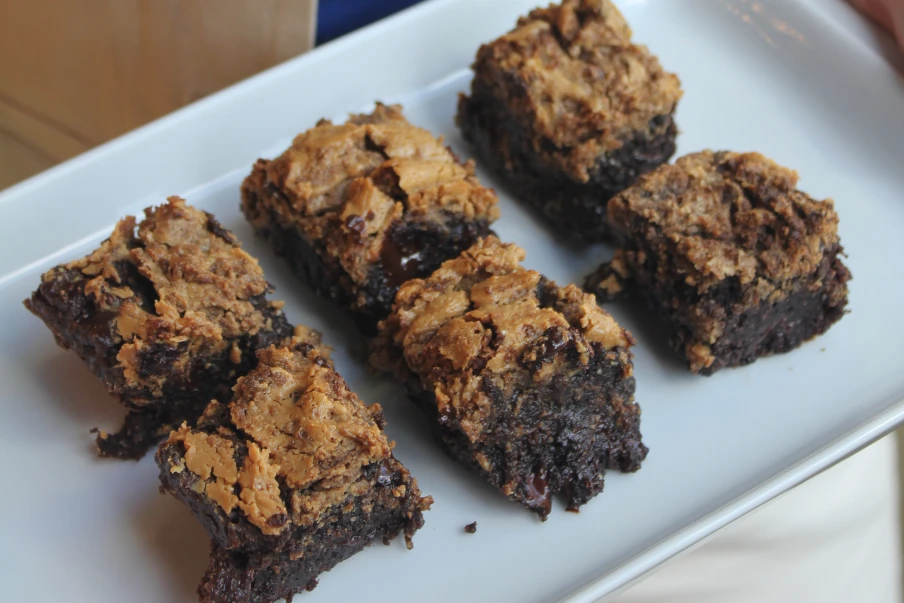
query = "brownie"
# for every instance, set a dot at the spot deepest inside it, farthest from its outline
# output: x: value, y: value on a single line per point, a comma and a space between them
x: 735, y: 260
x: 569, y: 112
x: 359, y: 208
x: 167, y: 316
x: 528, y: 383
x: 292, y: 476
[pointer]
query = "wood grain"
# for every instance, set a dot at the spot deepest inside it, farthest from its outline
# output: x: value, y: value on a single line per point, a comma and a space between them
x: 75, y: 74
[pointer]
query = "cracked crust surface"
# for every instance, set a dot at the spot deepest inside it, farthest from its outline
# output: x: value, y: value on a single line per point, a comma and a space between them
x: 719, y: 234
x: 574, y: 82
x: 486, y: 345
x: 481, y: 316
x: 291, y: 477
x: 201, y: 287
x: 293, y: 446
x: 165, y: 312
x: 355, y: 192
x: 715, y: 215
x: 300, y: 425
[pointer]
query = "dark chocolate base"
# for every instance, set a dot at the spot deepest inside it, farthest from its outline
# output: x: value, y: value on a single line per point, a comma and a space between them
x: 241, y: 578
x: 414, y: 250
x: 233, y: 532
x: 768, y: 329
x: 576, y: 209
x: 76, y: 324
x: 565, y: 434
x: 753, y: 332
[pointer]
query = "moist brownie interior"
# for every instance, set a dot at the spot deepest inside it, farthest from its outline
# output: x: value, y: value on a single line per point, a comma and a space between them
x: 359, y: 208
x: 292, y: 476
x: 166, y: 315
x: 569, y: 111
x: 737, y: 261
x: 528, y: 383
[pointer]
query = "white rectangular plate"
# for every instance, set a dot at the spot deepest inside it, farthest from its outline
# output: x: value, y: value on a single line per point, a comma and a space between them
x: 798, y: 81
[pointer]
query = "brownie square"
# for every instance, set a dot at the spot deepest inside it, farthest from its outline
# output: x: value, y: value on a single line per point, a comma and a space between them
x: 569, y: 112
x: 526, y: 382
x: 292, y: 476
x: 167, y: 317
x: 736, y: 261
x: 359, y: 208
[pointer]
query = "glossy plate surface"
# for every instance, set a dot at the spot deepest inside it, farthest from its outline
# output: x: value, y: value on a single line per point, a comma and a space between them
x: 801, y: 81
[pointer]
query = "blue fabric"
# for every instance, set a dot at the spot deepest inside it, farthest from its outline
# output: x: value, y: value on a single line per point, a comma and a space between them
x: 339, y: 17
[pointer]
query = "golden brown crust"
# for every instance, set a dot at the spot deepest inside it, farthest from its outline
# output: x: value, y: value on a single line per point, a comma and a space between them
x: 725, y: 214
x: 477, y: 318
x: 739, y: 262
x: 302, y: 428
x: 345, y: 185
x: 576, y: 83
x: 203, y: 284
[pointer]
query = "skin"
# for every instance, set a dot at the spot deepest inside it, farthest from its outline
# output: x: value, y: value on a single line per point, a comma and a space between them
x: 887, y: 13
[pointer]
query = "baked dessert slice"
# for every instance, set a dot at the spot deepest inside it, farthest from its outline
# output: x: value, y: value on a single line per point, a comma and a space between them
x: 568, y: 111
x: 359, y: 208
x: 292, y: 476
x: 735, y: 260
x: 526, y: 382
x: 167, y: 316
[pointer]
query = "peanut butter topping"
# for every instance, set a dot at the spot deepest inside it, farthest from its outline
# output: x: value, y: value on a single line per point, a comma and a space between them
x: 181, y: 281
x: 260, y: 499
x: 345, y: 185
x: 209, y: 454
x: 576, y: 83
x: 298, y: 407
x: 307, y: 437
x: 723, y: 215
x: 480, y: 316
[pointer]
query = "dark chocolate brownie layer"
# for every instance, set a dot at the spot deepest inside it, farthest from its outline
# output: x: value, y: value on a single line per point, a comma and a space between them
x: 737, y: 261
x: 525, y: 382
x: 167, y: 318
x: 236, y: 577
x: 569, y: 112
x: 572, y: 207
x: 361, y: 207
x: 292, y: 476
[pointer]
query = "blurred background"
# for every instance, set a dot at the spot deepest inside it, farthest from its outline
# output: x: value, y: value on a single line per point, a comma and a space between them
x: 77, y: 74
